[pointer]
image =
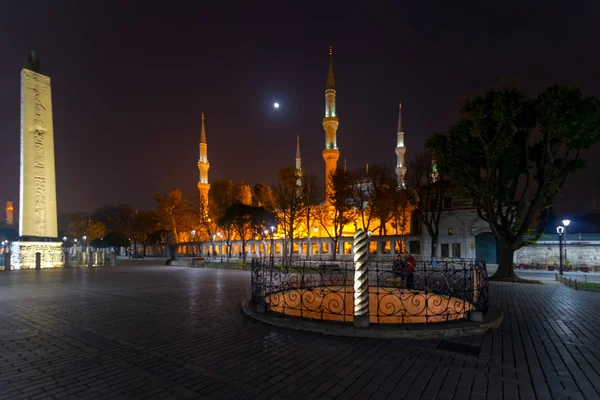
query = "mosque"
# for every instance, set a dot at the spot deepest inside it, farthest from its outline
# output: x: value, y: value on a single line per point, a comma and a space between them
x: 462, y: 232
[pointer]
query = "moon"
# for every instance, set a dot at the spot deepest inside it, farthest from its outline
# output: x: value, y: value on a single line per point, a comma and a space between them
x: 276, y: 105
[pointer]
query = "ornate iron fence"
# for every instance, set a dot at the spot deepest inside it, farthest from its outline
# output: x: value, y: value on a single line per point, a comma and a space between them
x: 433, y: 292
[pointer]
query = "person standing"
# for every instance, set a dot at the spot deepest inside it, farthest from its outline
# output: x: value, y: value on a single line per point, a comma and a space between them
x: 411, y: 264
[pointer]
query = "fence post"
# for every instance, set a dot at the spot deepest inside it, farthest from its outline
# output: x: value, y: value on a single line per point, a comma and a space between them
x: 361, y: 279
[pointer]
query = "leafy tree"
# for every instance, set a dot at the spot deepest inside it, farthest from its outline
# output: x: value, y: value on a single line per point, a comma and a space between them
x: 241, y: 193
x: 208, y: 219
x: 246, y: 221
x: 373, y: 196
x: 289, y: 201
x: 310, y: 203
x: 116, y: 240
x: 222, y: 195
x: 82, y: 225
x: 173, y: 210
x: 338, y: 211
x: 143, y: 225
x: 425, y: 193
x: 114, y: 218
x: 262, y: 196
x: 512, y: 154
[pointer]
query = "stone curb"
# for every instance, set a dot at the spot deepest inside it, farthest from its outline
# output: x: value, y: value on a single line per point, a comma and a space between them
x: 491, y: 321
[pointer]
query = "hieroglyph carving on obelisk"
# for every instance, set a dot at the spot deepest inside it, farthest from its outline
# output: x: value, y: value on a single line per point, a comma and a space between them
x: 37, y: 218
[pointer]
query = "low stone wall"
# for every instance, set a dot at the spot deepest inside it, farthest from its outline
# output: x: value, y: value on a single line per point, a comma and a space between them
x: 545, y: 254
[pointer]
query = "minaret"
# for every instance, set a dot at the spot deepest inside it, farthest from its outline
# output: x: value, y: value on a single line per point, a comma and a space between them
x: 298, y: 159
x: 9, y: 213
x: 331, y: 154
x: 203, y: 166
x: 298, y: 162
x: 400, y: 151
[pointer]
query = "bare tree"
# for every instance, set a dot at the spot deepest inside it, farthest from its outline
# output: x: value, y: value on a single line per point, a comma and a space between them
x: 425, y: 194
x: 310, y: 204
x: 288, y: 200
x: 338, y: 210
x: 374, y: 197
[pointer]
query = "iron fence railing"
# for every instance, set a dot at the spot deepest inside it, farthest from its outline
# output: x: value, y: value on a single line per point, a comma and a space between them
x: 442, y: 291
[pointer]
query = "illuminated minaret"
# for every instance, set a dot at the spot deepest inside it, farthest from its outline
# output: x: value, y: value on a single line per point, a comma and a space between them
x: 298, y: 159
x: 331, y: 154
x: 400, y: 151
x: 9, y: 213
x: 203, y: 166
x: 298, y: 162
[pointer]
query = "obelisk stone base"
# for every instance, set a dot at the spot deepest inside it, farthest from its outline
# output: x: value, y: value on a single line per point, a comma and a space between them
x: 23, y: 254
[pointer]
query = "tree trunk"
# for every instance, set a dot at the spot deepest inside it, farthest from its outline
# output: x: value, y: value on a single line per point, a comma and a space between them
x: 506, y: 269
x: 244, y: 251
x: 335, y: 249
x: 434, y: 243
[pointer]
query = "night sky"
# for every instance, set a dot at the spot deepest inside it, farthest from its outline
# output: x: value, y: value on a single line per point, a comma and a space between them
x: 130, y: 80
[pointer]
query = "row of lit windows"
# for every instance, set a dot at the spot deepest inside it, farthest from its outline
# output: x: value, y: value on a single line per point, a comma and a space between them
x: 375, y: 247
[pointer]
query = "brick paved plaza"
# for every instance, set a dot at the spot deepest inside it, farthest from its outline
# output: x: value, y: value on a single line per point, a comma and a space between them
x: 170, y: 332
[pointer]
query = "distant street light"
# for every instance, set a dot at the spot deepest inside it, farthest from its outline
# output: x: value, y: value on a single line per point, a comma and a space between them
x: 272, y: 243
x: 194, y: 234
x: 560, y: 230
x: 276, y: 105
x: 566, y: 223
x: 220, y: 235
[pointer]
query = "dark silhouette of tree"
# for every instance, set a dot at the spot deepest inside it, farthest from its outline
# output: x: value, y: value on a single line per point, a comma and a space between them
x: 143, y: 225
x: 512, y: 154
x: 425, y: 193
x: 310, y: 204
x: 173, y: 210
x: 263, y: 196
x: 246, y: 221
x: 339, y: 208
x: 289, y: 203
x: 375, y: 193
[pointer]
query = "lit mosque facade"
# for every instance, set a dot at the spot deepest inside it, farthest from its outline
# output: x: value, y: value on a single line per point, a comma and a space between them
x: 459, y: 224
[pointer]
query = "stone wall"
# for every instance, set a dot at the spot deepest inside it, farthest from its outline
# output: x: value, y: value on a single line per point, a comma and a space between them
x: 547, y: 254
x: 23, y: 254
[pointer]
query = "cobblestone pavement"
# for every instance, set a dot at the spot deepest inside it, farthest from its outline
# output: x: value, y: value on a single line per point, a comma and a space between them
x: 168, y: 332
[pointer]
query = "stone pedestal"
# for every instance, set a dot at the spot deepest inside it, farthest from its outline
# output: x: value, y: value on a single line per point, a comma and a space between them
x: 23, y: 254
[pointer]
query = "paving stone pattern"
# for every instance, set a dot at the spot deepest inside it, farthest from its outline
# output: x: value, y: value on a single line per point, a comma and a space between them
x: 170, y: 333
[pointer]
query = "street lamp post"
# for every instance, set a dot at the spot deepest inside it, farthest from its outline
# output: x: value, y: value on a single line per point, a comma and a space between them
x: 220, y: 235
x: 566, y: 223
x: 193, y: 235
x: 560, y: 230
x: 65, y: 252
x: 6, y: 255
x: 228, y: 247
x: 264, y: 237
x: 272, y: 241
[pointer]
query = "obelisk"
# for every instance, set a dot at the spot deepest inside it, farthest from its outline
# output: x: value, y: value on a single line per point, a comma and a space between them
x: 37, y: 197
